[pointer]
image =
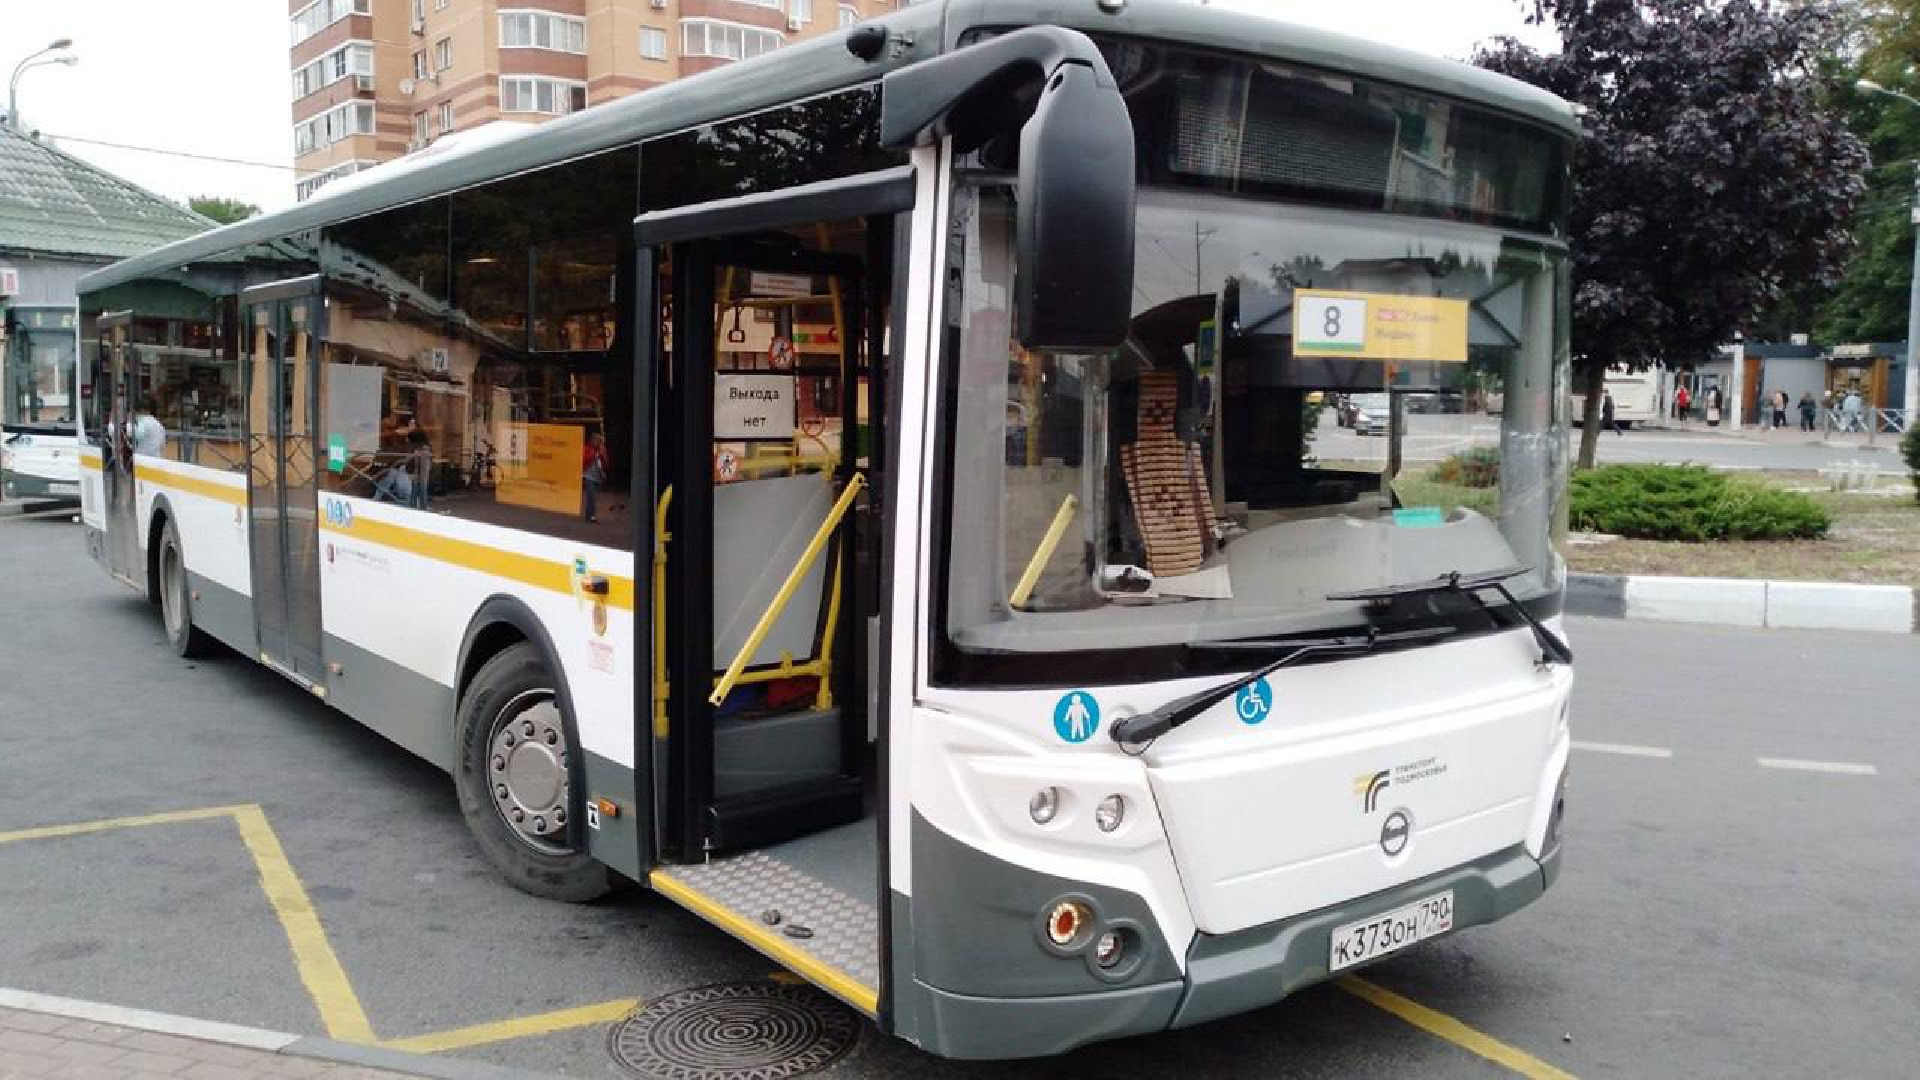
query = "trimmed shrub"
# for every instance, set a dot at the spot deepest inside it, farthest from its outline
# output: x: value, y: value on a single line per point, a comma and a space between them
x: 1910, y: 448
x: 1690, y: 503
x: 1478, y: 467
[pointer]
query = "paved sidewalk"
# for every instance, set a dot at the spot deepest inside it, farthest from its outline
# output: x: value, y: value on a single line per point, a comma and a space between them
x: 43, y: 1046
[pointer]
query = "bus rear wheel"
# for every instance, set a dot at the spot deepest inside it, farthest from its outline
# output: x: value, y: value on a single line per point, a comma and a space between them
x: 176, y: 598
x: 512, y: 779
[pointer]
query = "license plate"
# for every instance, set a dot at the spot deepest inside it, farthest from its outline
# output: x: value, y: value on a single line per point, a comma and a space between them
x: 1358, y: 942
x: 64, y: 489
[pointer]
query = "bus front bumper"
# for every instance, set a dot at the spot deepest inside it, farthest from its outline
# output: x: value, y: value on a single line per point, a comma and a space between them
x: 1226, y: 974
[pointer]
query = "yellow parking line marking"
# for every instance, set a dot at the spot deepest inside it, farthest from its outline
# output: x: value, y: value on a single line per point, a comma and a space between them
x: 521, y: 1027
x: 313, y: 955
x: 1455, y: 1032
x: 86, y: 827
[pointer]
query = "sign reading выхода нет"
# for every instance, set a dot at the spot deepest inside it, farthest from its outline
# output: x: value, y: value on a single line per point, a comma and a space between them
x: 1379, y: 326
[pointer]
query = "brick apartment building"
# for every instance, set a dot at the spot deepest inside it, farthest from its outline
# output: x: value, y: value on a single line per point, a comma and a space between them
x: 376, y: 79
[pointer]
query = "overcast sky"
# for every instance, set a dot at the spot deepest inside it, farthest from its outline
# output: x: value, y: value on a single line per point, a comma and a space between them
x: 210, y: 77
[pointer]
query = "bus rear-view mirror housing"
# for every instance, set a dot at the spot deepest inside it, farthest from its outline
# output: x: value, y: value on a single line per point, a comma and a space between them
x: 1075, y: 204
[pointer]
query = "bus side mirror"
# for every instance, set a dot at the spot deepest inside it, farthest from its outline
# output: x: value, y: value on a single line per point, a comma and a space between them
x: 1074, y: 231
x: 1075, y: 192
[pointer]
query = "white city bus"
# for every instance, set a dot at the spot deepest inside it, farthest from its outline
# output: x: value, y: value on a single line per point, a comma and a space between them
x: 1636, y: 396
x: 39, y: 452
x: 826, y: 491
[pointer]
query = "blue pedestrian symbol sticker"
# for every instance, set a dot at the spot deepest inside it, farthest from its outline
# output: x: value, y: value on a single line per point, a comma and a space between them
x: 1076, y: 716
x: 1253, y: 701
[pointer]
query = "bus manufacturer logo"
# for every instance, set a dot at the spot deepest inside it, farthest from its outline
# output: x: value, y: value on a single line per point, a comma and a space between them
x: 1369, y: 786
x: 339, y: 514
x: 1395, y: 832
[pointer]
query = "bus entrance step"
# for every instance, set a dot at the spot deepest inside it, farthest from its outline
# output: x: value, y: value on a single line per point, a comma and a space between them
x: 820, y: 932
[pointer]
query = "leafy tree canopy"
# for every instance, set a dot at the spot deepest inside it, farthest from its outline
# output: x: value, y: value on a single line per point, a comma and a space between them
x: 224, y: 211
x: 1711, y: 177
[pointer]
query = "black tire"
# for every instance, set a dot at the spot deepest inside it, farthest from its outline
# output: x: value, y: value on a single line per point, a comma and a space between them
x: 516, y: 688
x: 176, y: 598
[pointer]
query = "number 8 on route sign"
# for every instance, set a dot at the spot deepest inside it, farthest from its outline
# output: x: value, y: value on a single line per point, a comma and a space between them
x: 1336, y: 323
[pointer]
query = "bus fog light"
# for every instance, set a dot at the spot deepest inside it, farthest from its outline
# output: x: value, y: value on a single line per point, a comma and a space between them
x: 1044, y: 804
x: 1064, y: 922
x: 1110, y: 949
x: 1110, y: 813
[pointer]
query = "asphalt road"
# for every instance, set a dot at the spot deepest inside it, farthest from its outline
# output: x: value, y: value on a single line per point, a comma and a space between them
x: 1432, y: 436
x: 1717, y: 916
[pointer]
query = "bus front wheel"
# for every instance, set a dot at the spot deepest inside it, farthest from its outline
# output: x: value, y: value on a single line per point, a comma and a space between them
x: 176, y: 598
x: 512, y: 779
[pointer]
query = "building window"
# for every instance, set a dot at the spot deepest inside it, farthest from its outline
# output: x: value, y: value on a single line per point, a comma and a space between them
x: 532, y: 94
x: 542, y: 30
x: 446, y: 117
x: 848, y: 16
x: 321, y: 14
x: 443, y: 54
x: 419, y: 11
x: 803, y: 10
x: 337, y: 123
x: 354, y: 58
x: 653, y: 43
x: 725, y: 40
x: 774, y: 4
x: 439, y: 5
x: 421, y: 129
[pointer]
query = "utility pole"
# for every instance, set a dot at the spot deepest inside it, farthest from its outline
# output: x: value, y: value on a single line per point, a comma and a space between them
x: 13, y: 83
x: 1910, y: 400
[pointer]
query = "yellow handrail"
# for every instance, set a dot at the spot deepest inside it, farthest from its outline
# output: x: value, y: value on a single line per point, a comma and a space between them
x: 1023, y: 590
x: 661, y: 686
x: 792, y: 585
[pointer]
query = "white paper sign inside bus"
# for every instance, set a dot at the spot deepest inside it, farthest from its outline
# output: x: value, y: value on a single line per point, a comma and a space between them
x: 752, y: 406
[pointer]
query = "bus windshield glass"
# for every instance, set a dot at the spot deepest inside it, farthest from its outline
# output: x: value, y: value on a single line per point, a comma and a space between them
x: 39, y: 392
x: 1311, y: 400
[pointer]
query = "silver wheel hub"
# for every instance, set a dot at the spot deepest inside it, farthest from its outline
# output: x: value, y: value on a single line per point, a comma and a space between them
x: 527, y: 769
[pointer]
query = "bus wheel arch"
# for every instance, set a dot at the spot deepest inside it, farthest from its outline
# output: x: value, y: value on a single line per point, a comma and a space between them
x: 156, y: 526
x: 509, y: 674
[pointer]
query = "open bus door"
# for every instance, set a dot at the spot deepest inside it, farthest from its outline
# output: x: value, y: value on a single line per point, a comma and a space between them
x: 280, y: 337
x: 768, y: 479
x: 123, y: 390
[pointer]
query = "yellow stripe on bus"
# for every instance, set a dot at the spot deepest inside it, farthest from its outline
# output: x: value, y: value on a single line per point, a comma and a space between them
x: 839, y: 983
x: 236, y: 496
x: 91, y: 461
x: 526, y: 569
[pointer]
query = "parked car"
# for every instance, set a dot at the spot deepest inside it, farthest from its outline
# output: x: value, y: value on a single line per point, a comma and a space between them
x: 1370, y: 413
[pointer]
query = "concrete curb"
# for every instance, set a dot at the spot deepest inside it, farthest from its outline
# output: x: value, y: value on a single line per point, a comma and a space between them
x: 1780, y: 605
x: 261, y: 1039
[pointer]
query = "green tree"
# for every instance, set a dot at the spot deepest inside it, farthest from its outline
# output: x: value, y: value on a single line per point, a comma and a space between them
x: 1712, y: 177
x: 224, y: 211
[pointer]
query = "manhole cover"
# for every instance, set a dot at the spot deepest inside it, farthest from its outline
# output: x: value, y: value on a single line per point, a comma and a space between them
x: 734, y: 1031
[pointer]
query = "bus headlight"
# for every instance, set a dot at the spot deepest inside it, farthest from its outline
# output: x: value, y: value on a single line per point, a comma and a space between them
x: 1110, y: 813
x: 1044, y: 804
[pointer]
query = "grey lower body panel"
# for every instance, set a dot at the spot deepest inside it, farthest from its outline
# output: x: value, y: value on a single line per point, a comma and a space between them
x: 1225, y: 974
x: 1232, y: 973
x: 222, y: 612
x: 406, y: 707
x: 615, y: 841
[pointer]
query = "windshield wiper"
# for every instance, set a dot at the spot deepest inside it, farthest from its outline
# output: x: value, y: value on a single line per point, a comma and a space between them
x: 1552, y: 649
x: 1151, y: 725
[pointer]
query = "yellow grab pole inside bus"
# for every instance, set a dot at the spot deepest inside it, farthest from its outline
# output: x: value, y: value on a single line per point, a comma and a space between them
x: 660, y: 684
x: 792, y: 585
x: 1062, y: 517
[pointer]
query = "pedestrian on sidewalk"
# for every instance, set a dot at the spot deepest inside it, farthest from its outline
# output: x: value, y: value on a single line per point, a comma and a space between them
x: 1807, y: 409
x: 1607, y: 422
x: 1713, y: 406
x: 1681, y: 399
x: 1779, y: 409
x: 1850, y: 407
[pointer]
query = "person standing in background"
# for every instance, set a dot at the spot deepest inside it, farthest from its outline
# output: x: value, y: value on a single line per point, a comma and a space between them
x: 1779, y: 408
x: 1681, y: 399
x: 593, y: 472
x: 1807, y: 409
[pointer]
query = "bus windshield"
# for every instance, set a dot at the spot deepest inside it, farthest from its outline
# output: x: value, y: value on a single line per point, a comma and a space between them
x: 1233, y: 463
x: 39, y: 391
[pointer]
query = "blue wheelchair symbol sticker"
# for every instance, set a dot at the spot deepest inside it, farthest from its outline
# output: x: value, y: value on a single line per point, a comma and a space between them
x: 1076, y: 716
x: 1253, y: 701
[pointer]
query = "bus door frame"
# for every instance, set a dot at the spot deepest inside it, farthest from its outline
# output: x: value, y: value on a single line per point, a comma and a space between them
x: 699, y: 236
x: 121, y: 504
x: 277, y: 633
